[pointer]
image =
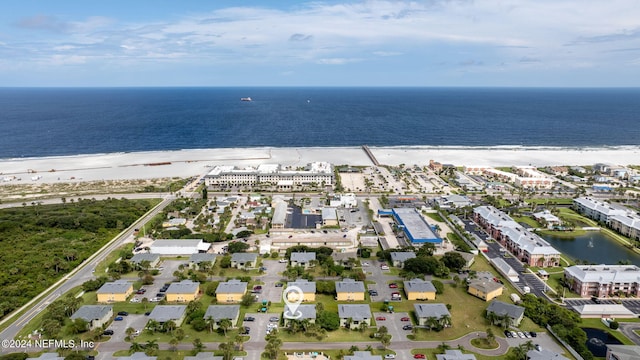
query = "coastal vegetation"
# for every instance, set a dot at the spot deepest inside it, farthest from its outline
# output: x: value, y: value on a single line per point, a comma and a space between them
x: 41, y: 243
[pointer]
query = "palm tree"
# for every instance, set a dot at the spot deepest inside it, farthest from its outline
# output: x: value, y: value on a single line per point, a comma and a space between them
x: 225, y: 324
x: 432, y: 322
x: 135, y: 347
x: 238, y: 341
x: 129, y: 332
x: 385, y: 340
x: 151, y: 347
x: 198, y: 346
x: 179, y: 334
x: 169, y: 326
x: 173, y: 344
x: 445, y: 320
x: 227, y: 350
x: 152, y: 326
x: 210, y: 323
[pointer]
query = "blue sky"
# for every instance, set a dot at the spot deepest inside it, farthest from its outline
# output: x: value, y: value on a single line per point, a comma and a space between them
x: 320, y: 43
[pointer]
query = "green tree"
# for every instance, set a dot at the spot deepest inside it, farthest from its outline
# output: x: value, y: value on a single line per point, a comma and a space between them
x: 198, y: 346
x: 151, y: 347
x: 225, y: 324
x: 135, y: 347
x: 328, y: 320
x: 173, y: 344
x: 247, y: 300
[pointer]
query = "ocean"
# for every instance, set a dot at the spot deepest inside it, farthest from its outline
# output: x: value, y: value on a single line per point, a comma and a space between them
x: 39, y: 122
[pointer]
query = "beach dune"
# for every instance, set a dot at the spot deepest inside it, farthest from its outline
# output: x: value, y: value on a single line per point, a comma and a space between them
x: 185, y: 163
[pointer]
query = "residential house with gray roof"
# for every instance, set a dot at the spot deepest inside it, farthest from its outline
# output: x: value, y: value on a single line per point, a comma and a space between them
x: 94, y: 315
x: 153, y: 259
x: 219, y: 312
x: 502, y: 309
x: 439, y: 312
x: 350, y: 290
x: 198, y: 258
x: 399, y: 257
x: 303, y: 312
x: 164, y: 313
x: 244, y: 260
x: 231, y: 291
x: 303, y: 259
x: 353, y: 315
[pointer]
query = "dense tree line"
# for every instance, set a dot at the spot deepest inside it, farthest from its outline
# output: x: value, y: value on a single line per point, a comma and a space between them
x: 41, y: 243
x: 564, y: 322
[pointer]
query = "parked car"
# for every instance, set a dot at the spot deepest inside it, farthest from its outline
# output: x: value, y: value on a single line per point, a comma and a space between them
x: 507, y: 333
x: 108, y: 332
x: 390, y: 356
x: 533, y: 334
x: 406, y: 318
x: 118, y: 318
x: 407, y: 327
x: 538, y: 347
x: 521, y: 334
x: 282, y: 261
x: 514, y: 334
x: 381, y: 318
x: 393, y: 286
x: 279, y: 284
x: 245, y: 330
x: 274, y: 319
x: 249, y: 318
x: 419, y: 356
x: 123, y: 313
x: 136, y: 300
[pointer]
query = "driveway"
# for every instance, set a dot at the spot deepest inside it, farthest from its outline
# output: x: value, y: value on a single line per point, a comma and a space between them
x: 394, y: 324
x: 273, y: 275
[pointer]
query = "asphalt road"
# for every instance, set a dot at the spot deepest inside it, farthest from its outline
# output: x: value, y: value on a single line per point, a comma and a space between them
x: 76, y: 277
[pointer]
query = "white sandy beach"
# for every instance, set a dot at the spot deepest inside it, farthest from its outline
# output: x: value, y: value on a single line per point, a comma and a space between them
x: 184, y: 163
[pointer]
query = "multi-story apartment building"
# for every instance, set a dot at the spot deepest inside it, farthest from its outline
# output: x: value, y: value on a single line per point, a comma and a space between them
x: 597, y: 210
x: 525, y: 176
x: 319, y: 174
x: 523, y: 244
x: 603, y: 280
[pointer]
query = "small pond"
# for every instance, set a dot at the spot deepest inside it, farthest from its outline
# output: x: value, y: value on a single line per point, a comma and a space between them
x: 597, y: 341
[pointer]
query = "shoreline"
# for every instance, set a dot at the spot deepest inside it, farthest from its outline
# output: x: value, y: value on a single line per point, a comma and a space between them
x: 192, y: 162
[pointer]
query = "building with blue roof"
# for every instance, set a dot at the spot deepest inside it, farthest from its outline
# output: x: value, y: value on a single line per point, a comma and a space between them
x: 414, y: 226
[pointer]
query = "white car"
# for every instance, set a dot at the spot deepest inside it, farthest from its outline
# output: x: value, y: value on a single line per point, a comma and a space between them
x: 282, y: 261
x: 521, y: 334
x: 135, y: 300
x: 390, y: 356
x: 367, y: 264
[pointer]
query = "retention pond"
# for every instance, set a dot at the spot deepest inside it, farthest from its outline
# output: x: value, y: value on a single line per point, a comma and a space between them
x: 593, y: 247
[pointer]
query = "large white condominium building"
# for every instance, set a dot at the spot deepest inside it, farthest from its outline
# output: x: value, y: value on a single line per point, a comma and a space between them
x: 526, y: 176
x: 314, y: 174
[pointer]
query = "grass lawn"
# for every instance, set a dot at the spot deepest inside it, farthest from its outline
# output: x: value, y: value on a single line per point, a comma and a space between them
x: 435, y: 216
x: 527, y: 220
x: 113, y: 256
x: 340, y: 335
x: 556, y: 201
x: 178, y: 354
x: 467, y: 315
x: 190, y: 335
x: 484, y: 343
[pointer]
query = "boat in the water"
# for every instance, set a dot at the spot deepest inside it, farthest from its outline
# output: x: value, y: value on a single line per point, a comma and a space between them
x: 245, y: 99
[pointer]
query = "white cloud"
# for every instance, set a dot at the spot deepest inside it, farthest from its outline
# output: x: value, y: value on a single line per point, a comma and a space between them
x: 459, y: 33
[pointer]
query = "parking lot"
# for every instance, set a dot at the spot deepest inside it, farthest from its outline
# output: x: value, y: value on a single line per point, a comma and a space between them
x: 136, y: 321
x: 165, y: 276
x: 632, y: 304
x: 394, y: 324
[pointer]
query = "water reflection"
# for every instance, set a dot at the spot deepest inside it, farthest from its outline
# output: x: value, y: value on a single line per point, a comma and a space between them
x: 594, y: 248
